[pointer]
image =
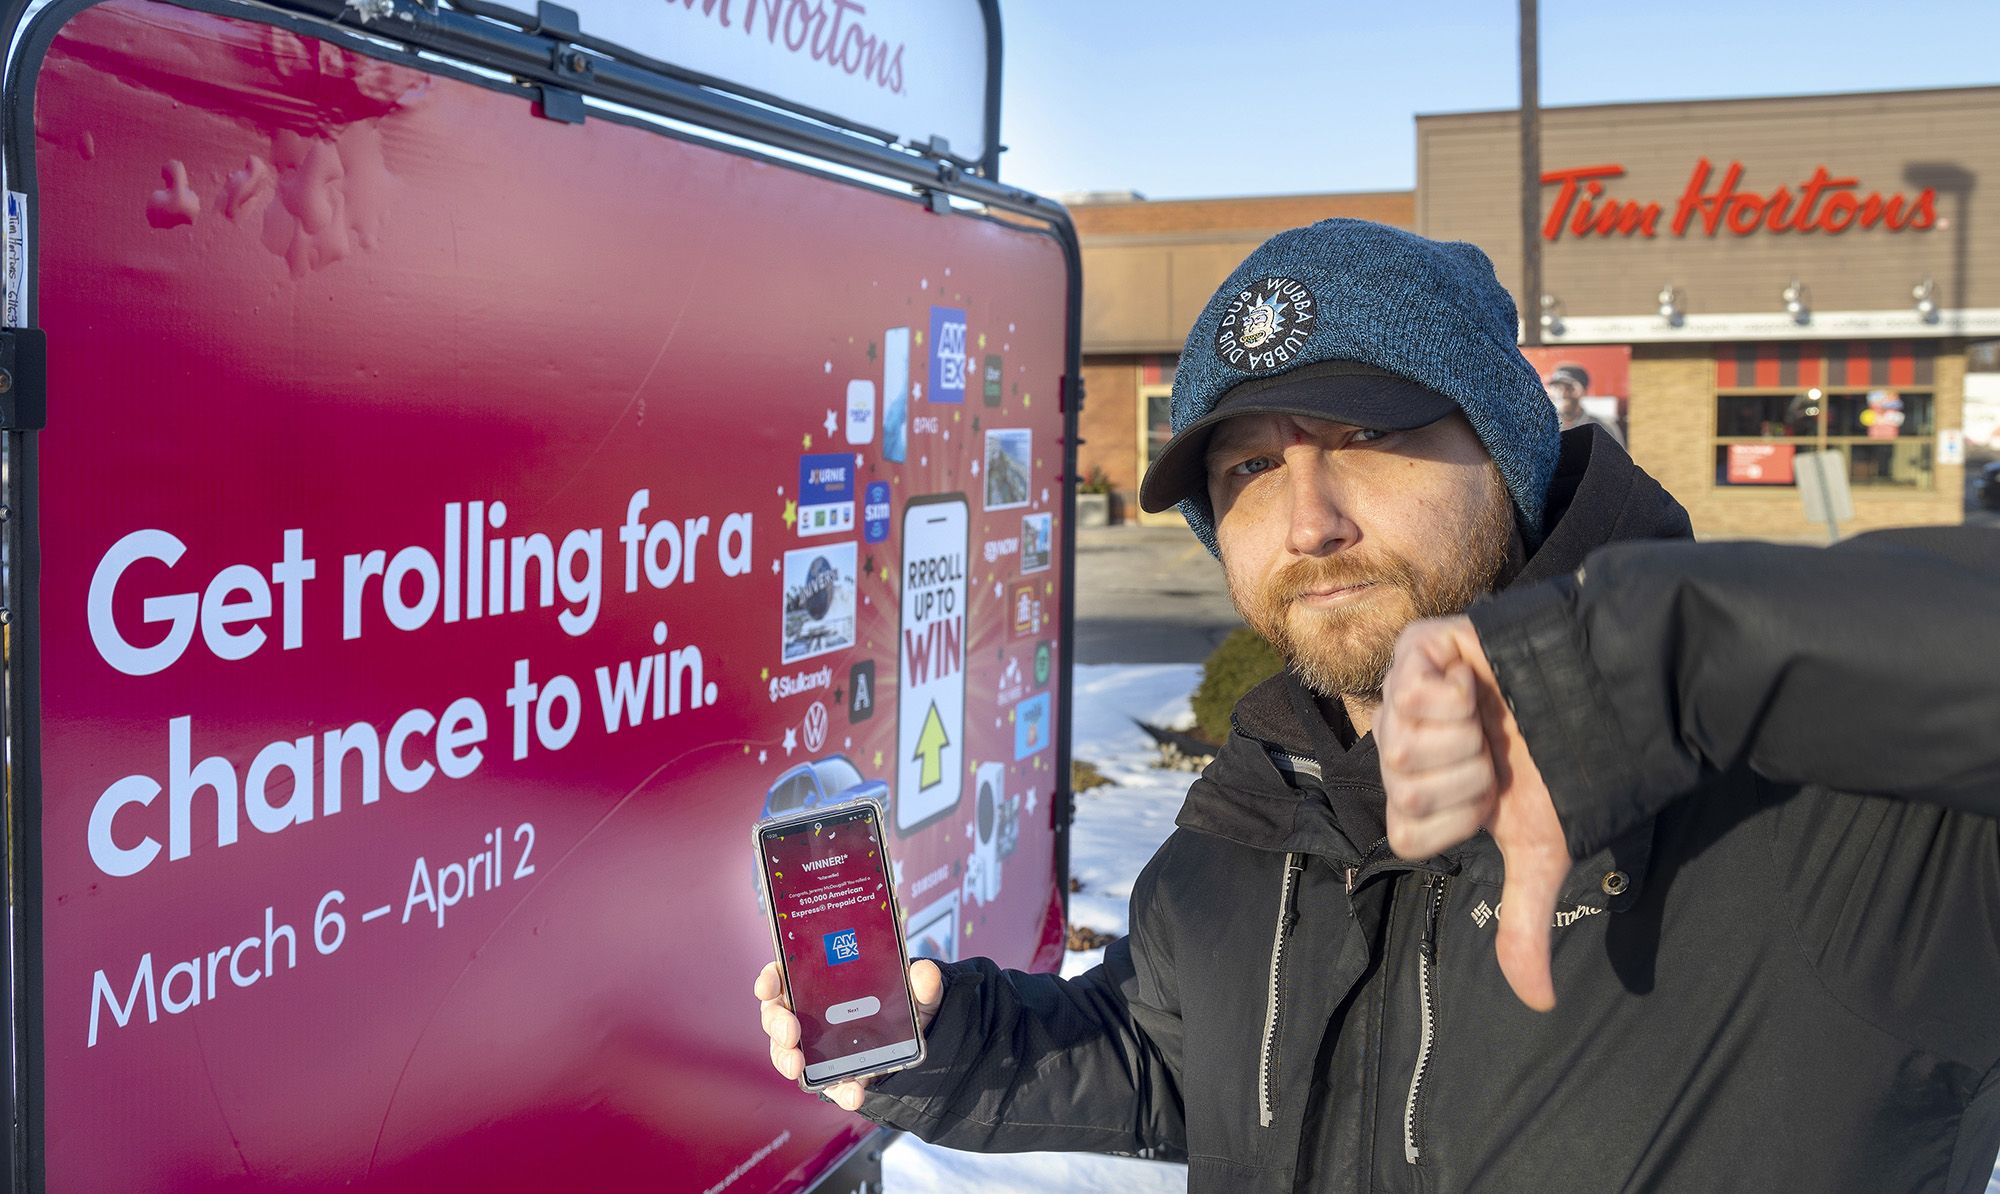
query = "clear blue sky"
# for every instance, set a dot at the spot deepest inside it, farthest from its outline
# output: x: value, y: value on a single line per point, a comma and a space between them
x: 1177, y: 98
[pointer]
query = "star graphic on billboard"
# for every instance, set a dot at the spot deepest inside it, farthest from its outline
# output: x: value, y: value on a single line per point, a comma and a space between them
x: 791, y: 741
x: 832, y: 422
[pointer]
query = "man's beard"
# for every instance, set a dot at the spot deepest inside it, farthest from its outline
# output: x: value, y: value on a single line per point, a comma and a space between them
x: 1346, y: 650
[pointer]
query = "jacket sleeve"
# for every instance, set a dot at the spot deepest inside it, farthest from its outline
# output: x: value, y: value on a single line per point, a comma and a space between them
x: 1020, y: 1062
x: 1871, y: 667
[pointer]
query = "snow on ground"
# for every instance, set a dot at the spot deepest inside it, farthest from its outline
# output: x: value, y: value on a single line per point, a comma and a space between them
x: 1117, y: 829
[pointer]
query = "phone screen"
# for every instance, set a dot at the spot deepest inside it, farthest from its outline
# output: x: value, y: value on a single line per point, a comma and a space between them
x: 842, y: 956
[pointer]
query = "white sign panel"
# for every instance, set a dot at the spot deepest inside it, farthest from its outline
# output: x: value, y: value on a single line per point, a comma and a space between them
x: 1822, y: 481
x: 930, y: 697
x: 912, y: 68
x: 1951, y: 446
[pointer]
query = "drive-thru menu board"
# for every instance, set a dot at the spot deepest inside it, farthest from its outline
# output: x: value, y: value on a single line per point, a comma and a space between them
x: 456, y: 527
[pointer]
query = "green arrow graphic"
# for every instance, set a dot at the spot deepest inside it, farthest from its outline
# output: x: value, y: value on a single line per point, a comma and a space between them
x: 930, y: 748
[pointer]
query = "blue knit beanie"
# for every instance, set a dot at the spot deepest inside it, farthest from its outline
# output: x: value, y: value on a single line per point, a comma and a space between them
x: 1430, y: 311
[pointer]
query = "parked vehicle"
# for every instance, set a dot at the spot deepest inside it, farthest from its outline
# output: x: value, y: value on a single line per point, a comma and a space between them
x: 1987, y: 487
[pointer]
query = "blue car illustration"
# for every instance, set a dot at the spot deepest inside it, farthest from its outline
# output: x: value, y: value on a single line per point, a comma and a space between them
x: 817, y: 784
x: 821, y: 782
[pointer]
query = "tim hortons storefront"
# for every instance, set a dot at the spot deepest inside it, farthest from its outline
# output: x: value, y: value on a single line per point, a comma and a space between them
x: 1740, y: 281
x: 1771, y: 276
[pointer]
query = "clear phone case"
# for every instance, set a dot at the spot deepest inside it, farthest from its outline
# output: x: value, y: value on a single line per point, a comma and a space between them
x: 787, y: 821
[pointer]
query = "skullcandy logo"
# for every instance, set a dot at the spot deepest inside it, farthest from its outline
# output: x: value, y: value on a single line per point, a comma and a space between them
x: 1266, y: 326
x: 800, y: 682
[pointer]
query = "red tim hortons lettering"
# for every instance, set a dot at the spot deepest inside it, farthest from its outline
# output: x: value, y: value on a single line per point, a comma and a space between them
x: 830, y: 32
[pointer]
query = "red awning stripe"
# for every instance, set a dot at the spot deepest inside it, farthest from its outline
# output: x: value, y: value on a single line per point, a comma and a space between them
x: 1846, y: 364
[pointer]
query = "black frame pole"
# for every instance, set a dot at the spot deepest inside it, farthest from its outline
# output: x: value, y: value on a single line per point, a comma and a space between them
x: 1531, y: 177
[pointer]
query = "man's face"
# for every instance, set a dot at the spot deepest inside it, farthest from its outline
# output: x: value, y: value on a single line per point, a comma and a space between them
x: 1334, y: 538
x: 1567, y: 396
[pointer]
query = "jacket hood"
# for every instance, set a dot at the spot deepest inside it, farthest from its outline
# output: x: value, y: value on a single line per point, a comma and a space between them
x: 1252, y: 794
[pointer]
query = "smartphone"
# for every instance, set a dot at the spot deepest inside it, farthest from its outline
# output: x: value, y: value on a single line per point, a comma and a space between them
x: 839, y: 941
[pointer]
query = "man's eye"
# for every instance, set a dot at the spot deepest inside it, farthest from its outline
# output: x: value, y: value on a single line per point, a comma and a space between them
x: 1251, y: 467
x: 1367, y: 435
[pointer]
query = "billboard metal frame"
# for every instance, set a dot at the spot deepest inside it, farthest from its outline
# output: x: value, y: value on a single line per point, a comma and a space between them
x: 547, y: 61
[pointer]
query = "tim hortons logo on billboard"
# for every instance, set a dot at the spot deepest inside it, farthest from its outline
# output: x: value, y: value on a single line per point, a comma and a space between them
x: 1822, y: 203
x: 832, y: 34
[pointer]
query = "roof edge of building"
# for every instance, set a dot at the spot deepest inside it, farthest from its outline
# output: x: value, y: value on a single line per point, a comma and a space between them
x: 1607, y: 105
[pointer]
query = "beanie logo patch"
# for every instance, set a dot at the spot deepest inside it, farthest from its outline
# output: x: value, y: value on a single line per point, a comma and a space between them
x: 1267, y: 325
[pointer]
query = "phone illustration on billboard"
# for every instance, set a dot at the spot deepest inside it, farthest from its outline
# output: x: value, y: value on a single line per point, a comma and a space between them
x: 895, y: 394
x: 930, y: 660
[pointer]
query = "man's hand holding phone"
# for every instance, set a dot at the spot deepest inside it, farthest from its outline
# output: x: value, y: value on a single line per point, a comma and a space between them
x: 926, y: 983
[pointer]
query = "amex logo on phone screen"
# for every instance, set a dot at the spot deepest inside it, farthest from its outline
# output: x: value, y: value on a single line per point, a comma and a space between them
x: 841, y: 947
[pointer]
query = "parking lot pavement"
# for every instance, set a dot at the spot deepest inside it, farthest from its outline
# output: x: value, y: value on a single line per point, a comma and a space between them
x: 1153, y: 595
x: 1148, y: 595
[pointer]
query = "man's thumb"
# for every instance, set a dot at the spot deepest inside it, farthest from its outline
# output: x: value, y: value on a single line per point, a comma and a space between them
x: 1527, y: 920
x: 927, y: 984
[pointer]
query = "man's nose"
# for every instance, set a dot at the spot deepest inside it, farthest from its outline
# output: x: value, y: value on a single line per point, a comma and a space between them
x: 1319, y: 521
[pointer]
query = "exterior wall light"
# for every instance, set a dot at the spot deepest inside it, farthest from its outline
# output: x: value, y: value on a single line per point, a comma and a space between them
x: 1673, y: 305
x: 1798, y: 301
x: 1552, y: 315
x: 1925, y: 294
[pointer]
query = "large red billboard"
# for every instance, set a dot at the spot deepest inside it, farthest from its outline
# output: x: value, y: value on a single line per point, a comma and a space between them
x: 455, y: 528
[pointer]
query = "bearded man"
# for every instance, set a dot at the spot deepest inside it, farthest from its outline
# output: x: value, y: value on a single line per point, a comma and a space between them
x: 1530, y: 741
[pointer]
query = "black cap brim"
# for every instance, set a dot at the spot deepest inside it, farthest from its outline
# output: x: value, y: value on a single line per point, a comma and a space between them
x: 1342, y: 391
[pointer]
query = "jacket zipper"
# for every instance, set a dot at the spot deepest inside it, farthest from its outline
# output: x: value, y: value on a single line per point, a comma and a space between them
x: 1288, y: 915
x: 1294, y: 764
x: 1434, y: 886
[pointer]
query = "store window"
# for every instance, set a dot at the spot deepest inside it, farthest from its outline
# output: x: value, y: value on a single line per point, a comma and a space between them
x: 1156, y: 424
x: 1872, y: 402
x: 1156, y: 406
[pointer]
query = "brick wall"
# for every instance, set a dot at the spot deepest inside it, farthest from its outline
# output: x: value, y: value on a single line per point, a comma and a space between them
x: 1110, y: 423
x: 1264, y: 213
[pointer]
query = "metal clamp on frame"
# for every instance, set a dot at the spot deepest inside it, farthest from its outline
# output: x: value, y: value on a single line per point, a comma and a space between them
x: 24, y: 379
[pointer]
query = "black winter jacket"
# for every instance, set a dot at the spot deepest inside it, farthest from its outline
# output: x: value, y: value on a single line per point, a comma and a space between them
x: 1777, y: 960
